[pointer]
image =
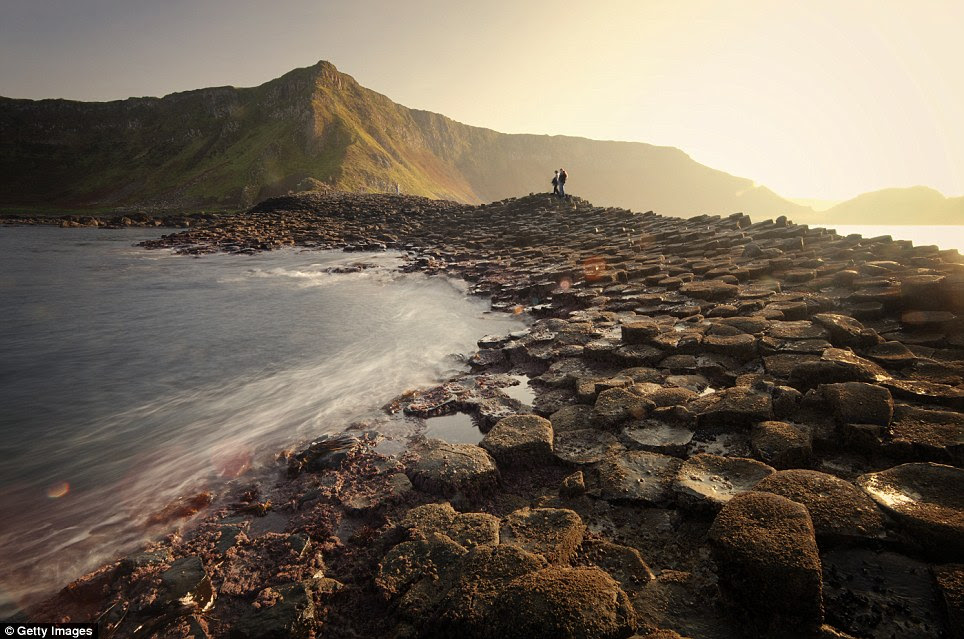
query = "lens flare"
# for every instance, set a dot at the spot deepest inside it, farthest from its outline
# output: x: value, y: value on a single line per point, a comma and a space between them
x: 58, y: 490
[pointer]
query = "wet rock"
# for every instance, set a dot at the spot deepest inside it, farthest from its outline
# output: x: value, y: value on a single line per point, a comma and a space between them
x: 891, y: 354
x: 781, y: 445
x: 657, y: 436
x: 618, y: 405
x: 738, y: 407
x: 553, y: 533
x: 520, y: 440
x: 576, y: 603
x: 927, y: 500
x: 634, y: 476
x: 839, y: 510
x: 586, y: 446
x: 765, y: 547
x: 880, y: 595
x: 858, y: 402
x: 453, y: 469
x: 836, y: 365
x: 706, y: 481
x: 186, y: 583
x: 292, y: 616
x: 931, y: 435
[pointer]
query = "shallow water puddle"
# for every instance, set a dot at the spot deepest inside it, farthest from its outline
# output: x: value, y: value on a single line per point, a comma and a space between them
x: 458, y: 428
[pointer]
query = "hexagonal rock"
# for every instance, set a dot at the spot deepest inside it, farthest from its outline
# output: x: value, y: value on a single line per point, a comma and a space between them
x: 635, y: 476
x: 412, y: 560
x: 622, y: 563
x: 465, y: 529
x: 657, y: 436
x: 453, y: 469
x: 836, y: 365
x: 926, y: 392
x: 930, y: 435
x: 482, y: 573
x: 742, y: 347
x: 858, y: 402
x: 846, y: 331
x: 586, y: 446
x: 571, y: 418
x: 781, y: 445
x: 711, y: 290
x: 767, y: 555
x: 618, y: 405
x: 639, y: 332
x: 575, y: 603
x: 520, y: 440
x: 839, y: 510
x: 738, y: 407
x: 927, y: 501
x: 554, y: 533
x: 707, y: 481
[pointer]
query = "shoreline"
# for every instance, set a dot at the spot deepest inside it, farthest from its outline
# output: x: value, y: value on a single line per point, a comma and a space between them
x: 637, y: 316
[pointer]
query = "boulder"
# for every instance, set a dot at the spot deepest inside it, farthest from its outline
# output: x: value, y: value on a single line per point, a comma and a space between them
x: 520, y: 440
x: 767, y: 555
x: 553, y: 533
x: 557, y: 602
x: 707, y: 481
x: 411, y: 561
x: 453, y: 469
x: 839, y: 510
x: 781, y: 445
x: 927, y: 501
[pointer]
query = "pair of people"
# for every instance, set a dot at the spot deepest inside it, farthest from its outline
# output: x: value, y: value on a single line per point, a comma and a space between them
x: 559, y: 183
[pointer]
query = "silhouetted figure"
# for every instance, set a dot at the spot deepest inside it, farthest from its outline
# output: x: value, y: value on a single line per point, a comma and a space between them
x: 555, y: 183
x: 562, y: 182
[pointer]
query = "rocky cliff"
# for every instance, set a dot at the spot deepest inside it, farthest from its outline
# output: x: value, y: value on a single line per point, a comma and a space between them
x: 228, y: 148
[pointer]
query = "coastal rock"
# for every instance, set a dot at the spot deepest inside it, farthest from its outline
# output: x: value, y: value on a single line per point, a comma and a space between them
x: 466, y: 529
x: 839, y: 510
x: 930, y: 435
x: 836, y: 365
x: 576, y: 417
x: 858, y: 402
x: 418, y: 559
x: 737, y: 407
x: 707, y: 481
x: 635, y: 476
x: 293, y: 615
x: 453, y: 469
x: 553, y: 533
x: 577, y: 603
x: 586, y: 446
x: 186, y: 583
x: 781, y: 445
x: 520, y: 440
x: 617, y: 405
x: 765, y: 547
x: 845, y: 331
x: 926, y: 499
x: 950, y: 582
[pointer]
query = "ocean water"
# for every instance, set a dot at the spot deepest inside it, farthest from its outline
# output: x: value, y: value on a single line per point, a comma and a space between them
x: 944, y: 236
x: 129, y: 378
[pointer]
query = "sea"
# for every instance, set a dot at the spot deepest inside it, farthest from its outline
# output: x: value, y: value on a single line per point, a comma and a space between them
x: 943, y: 236
x: 131, y: 377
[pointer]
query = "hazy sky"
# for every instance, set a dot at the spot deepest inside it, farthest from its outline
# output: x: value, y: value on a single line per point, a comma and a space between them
x: 820, y: 99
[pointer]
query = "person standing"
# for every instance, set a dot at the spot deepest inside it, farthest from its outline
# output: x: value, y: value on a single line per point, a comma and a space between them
x: 555, y: 183
x: 562, y: 182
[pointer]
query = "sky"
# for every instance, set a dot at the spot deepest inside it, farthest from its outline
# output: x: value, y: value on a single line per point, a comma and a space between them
x: 813, y: 99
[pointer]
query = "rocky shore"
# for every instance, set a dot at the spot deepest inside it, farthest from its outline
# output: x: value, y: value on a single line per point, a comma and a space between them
x: 739, y: 429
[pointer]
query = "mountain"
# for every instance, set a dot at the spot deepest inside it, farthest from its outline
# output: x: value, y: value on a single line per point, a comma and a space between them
x: 227, y: 148
x: 914, y: 205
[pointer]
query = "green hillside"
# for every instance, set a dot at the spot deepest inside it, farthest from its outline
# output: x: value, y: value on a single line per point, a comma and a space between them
x: 228, y: 148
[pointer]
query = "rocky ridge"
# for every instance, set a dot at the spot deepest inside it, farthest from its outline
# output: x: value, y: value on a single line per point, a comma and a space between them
x: 738, y: 429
